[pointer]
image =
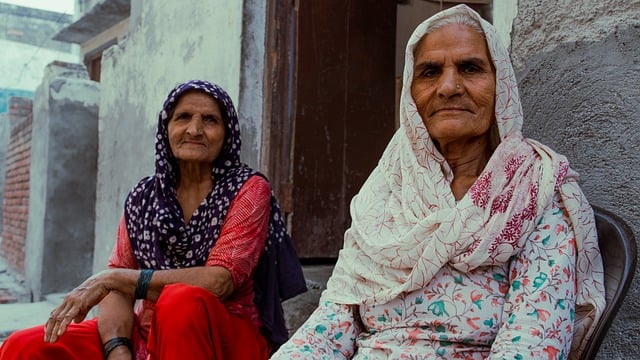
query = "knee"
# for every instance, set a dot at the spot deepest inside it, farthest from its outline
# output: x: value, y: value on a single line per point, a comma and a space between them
x: 180, y: 302
x: 182, y: 295
x: 22, y: 344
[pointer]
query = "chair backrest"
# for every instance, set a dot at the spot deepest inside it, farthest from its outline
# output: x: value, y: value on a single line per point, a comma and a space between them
x: 618, y: 249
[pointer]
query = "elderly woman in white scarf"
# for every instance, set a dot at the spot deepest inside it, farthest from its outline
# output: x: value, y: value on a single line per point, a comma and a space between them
x: 467, y: 241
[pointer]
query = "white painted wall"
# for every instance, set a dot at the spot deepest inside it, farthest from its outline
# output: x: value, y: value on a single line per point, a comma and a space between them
x: 61, y: 6
x: 22, y: 65
x: 169, y: 42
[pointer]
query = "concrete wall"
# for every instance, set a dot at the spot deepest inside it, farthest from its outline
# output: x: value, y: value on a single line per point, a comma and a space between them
x: 33, y: 26
x: 21, y: 66
x: 169, y: 42
x: 26, y: 46
x: 542, y: 25
x: 62, y: 185
x: 578, y: 69
x: 82, y: 6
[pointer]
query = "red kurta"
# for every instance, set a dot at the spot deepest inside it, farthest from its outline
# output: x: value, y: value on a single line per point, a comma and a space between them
x: 238, y: 249
x: 227, y: 333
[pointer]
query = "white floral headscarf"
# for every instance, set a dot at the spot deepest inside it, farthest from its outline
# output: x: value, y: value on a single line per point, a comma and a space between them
x: 406, y: 223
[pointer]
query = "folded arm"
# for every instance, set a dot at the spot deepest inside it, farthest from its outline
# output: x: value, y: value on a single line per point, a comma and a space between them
x: 537, y: 321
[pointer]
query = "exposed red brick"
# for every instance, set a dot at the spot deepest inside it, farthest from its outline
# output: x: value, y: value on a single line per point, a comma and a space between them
x: 6, y: 298
x: 16, y: 192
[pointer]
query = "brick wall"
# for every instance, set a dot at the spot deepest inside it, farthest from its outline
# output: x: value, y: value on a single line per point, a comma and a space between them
x: 15, y: 205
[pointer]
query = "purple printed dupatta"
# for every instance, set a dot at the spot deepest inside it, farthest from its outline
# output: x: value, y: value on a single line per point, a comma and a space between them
x: 161, y: 240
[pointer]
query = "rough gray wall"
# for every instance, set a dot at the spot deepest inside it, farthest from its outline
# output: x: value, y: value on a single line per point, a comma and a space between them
x: 62, y: 183
x: 579, y: 78
x: 542, y: 25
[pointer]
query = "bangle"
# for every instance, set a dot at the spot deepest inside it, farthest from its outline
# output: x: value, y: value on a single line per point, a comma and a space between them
x: 114, y: 343
x: 143, y: 283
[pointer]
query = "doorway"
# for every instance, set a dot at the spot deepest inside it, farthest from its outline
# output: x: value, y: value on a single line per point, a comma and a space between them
x: 332, y: 82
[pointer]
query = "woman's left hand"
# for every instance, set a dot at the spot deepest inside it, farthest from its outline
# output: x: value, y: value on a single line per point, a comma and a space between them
x: 76, y: 305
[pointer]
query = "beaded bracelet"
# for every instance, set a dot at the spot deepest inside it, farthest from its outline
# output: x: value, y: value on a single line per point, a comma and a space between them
x: 143, y: 283
x: 114, y: 343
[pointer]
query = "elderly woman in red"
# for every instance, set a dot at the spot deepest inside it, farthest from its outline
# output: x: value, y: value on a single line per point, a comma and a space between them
x: 202, y: 245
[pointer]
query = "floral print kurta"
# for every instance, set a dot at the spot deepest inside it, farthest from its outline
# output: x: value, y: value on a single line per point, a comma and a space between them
x: 523, y: 309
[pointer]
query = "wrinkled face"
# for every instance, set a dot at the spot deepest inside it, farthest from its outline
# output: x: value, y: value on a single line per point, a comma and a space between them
x: 196, y: 129
x: 454, y: 84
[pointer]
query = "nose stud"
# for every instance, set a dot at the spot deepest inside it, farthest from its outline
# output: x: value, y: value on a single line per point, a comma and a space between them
x: 458, y: 86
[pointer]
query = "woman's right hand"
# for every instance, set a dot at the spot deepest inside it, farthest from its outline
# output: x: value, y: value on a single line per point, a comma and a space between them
x: 76, y: 305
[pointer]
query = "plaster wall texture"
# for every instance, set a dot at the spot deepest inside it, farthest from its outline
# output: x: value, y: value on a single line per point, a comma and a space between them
x: 32, y: 26
x: 61, y: 201
x: 544, y: 24
x: 21, y: 65
x: 579, y: 74
x: 169, y: 42
x: 82, y: 6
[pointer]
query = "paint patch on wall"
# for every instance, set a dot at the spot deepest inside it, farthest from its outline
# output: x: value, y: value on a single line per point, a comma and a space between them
x: 5, y: 94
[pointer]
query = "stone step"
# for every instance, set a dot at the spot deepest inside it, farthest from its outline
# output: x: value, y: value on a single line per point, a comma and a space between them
x: 18, y: 316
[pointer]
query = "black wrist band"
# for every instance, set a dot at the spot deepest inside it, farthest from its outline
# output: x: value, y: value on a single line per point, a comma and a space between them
x: 114, y: 343
x: 143, y: 283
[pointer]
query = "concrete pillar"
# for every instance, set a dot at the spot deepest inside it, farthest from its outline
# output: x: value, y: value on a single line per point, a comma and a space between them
x: 60, y: 234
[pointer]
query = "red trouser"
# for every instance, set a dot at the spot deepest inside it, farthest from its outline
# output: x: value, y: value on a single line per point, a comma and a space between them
x: 188, y: 323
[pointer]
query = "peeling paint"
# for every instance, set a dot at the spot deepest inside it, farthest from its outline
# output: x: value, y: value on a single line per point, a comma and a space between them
x: 83, y: 91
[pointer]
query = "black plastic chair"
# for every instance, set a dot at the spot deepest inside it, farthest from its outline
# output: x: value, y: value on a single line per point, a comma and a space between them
x: 618, y: 249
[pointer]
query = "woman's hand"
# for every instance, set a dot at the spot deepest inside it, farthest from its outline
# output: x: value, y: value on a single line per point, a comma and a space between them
x: 76, y: 305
